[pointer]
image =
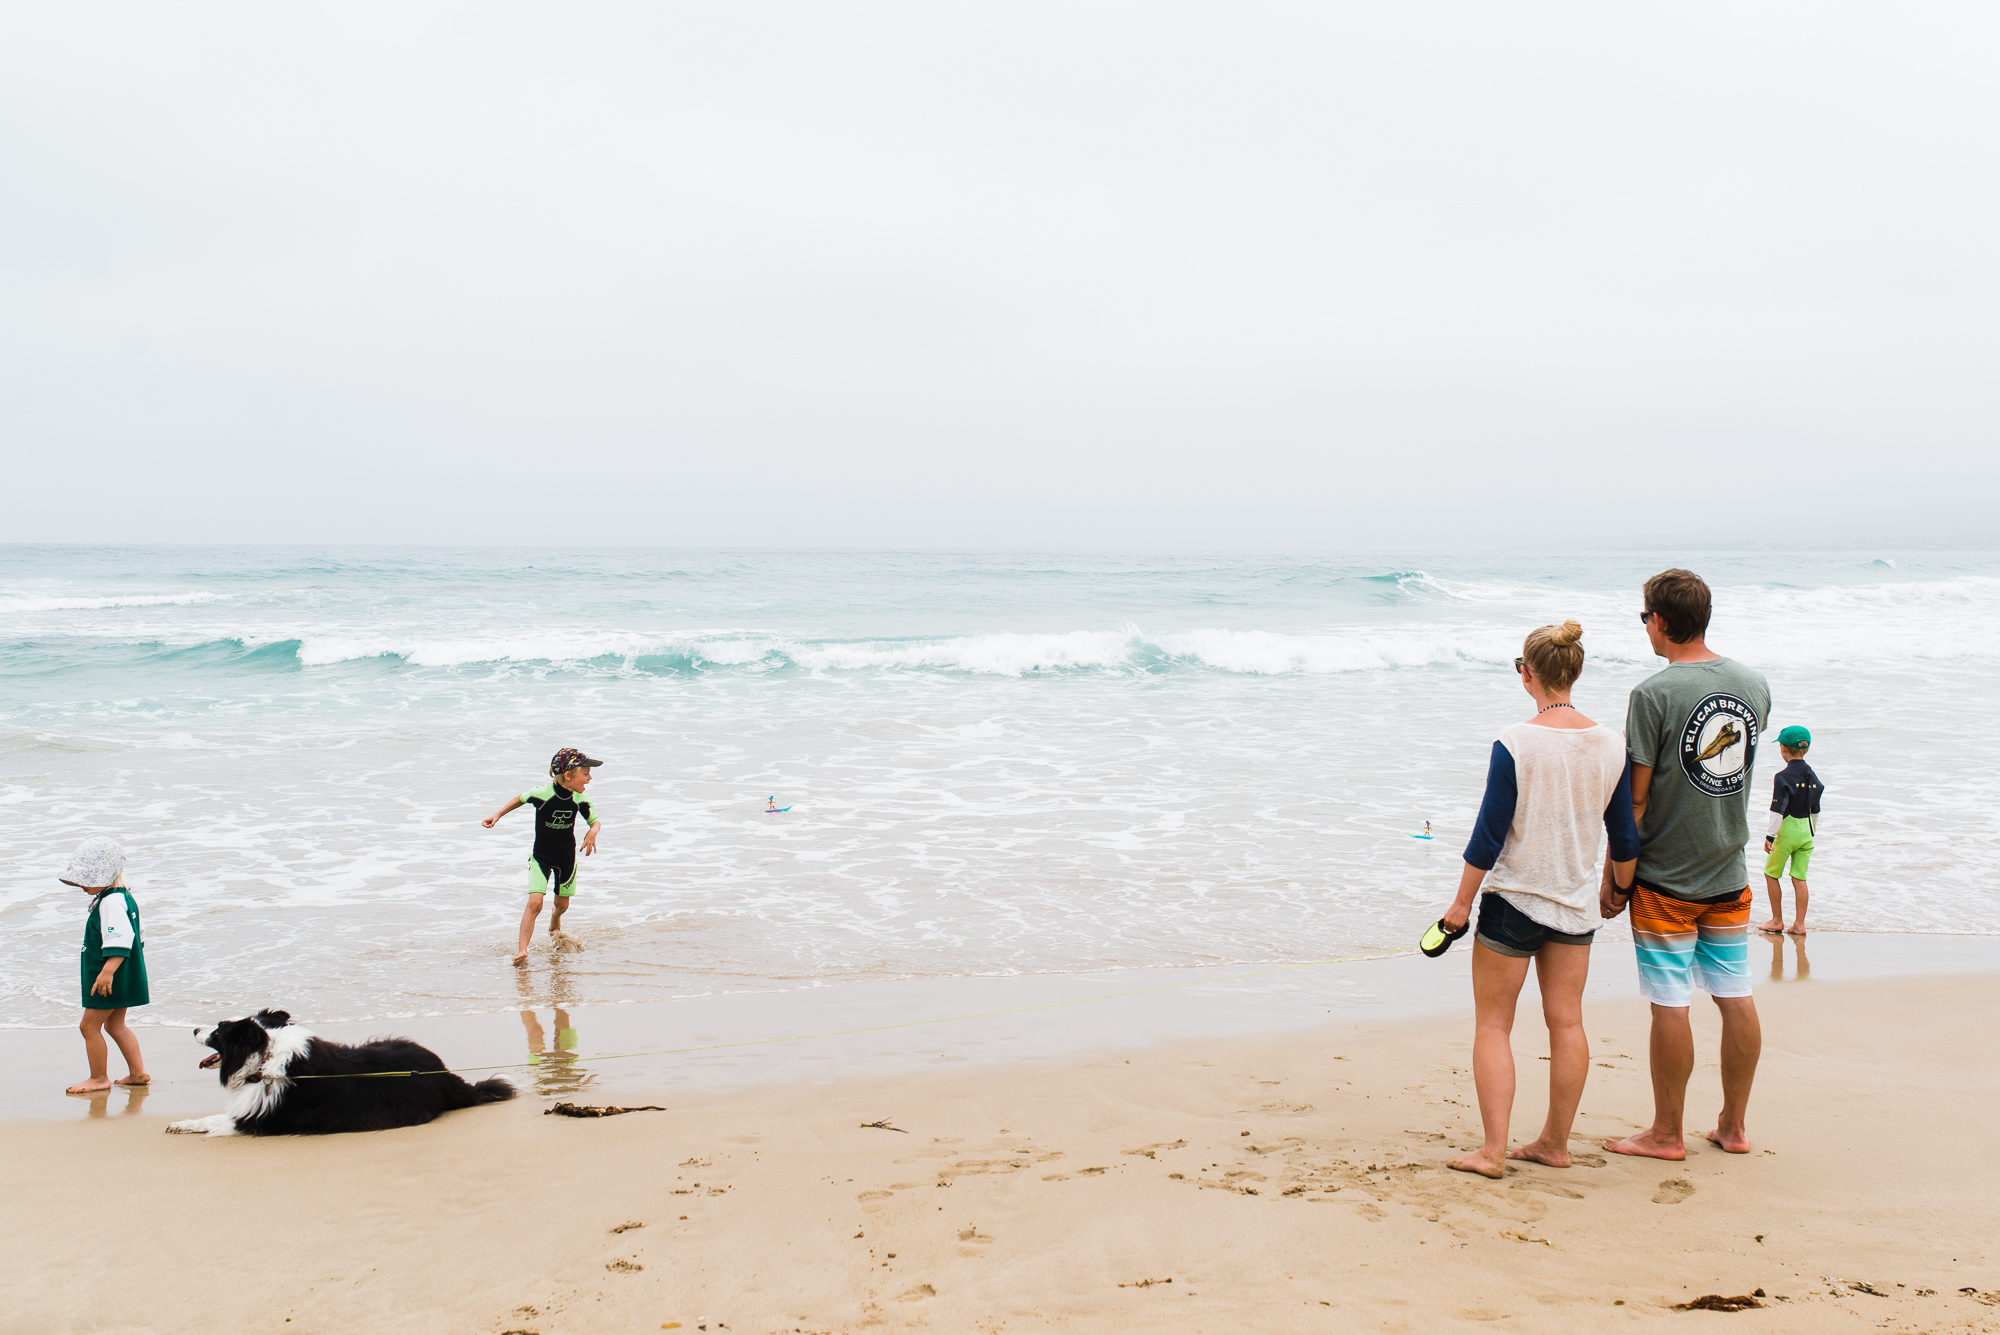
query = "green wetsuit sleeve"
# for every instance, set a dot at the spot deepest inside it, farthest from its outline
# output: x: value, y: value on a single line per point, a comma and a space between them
x: 589, y: 810
x: 537, y: 796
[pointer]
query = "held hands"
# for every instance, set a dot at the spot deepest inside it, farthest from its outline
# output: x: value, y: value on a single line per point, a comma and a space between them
x: 1610, y: 903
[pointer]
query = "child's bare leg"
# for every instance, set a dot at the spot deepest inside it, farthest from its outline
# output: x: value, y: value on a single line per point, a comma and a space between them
x: 528, y: 916
x: 555, y: 922
x: 1799, y: 892
x: 1777, y: 923
x: 128, y: 1048
x: 96, y: 1052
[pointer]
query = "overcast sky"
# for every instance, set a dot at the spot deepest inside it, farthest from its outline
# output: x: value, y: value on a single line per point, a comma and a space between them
x: 1320, y: 276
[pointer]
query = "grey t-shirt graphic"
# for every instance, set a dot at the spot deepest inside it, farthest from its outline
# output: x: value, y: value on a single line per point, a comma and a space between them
x: 1697, y: 725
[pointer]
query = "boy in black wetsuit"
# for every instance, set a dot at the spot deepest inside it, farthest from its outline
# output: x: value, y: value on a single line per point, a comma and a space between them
x: 558, y: 804
x: 1795, y: 793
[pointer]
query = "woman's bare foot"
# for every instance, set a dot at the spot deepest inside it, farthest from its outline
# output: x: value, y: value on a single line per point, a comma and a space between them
x: 1735, y: 1142
x: 1649, y: 1145
x: 1478, y: 1162
x: 89, y: 1087
x: 521, y: 959
x: 1536, y: 1152
x: 1796, y: 929
x: 137, y: 1080
x: 1775, y: 926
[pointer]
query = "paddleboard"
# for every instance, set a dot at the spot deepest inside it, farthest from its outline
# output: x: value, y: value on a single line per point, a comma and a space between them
x: 776, y: 811
x: 1423, y: 836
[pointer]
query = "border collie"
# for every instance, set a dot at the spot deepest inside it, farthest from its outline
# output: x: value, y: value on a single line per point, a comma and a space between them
x: 260, y: 1060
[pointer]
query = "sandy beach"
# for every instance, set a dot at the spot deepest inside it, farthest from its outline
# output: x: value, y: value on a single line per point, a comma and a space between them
x: 1276, y: 1182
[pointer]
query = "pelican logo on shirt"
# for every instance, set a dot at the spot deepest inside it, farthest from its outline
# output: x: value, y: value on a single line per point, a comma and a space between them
x: 1717, y: 745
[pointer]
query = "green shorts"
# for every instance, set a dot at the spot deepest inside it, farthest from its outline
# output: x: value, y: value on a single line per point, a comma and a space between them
x: 1794, y: 843
x: 540, y: 878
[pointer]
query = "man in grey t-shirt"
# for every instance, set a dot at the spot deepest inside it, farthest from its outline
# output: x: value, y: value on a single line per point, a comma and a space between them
x: 1691, y: 733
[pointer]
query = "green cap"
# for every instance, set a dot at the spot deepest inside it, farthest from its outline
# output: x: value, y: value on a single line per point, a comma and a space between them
x: 1795, y: 737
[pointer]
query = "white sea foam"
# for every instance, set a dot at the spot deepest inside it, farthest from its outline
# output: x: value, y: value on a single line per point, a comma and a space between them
x: 25, y: 604
x: 993, y: 768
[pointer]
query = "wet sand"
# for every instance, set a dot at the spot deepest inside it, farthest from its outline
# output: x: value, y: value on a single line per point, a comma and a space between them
x: 1281, y: 1182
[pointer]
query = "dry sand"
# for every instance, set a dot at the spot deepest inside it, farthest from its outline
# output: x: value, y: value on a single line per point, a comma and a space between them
x: 1274, y: 1183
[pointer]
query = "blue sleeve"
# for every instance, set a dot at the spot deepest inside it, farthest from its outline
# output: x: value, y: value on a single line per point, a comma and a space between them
x: 1619, y: 827
x: 1496, y: 810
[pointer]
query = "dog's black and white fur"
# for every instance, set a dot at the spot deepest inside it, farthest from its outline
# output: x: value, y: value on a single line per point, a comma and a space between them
x: 261, y: 1059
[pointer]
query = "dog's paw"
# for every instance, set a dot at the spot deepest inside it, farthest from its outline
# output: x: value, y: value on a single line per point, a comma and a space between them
x: 222, y: 1124
x: 186, y: 1129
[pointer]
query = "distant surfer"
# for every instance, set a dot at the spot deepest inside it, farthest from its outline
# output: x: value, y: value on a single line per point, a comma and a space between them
x: 771, y: 804
x: 1427, y: 829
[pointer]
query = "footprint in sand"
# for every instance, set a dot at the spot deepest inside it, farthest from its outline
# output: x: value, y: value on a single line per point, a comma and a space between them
x: 1587, y: 1160
x: 872, y: 1200
x: 971, y: 1242
x: 1552, y: 1188
x: 917, y: 1295
x: 1673, y: 1191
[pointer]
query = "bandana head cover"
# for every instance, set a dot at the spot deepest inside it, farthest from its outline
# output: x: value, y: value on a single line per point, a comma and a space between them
x: 570, y: 758
x: 97, y: 862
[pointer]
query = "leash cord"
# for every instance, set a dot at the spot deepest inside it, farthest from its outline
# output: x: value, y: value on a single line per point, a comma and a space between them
x: 879, y: 1028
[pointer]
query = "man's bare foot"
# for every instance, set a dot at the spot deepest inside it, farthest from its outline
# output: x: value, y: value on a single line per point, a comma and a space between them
x: 1649, y: 1145
x: 1536, y: 1152
x: 1478, y: 1162
x: 137, y: 1080
x: 89, y: 1087
x: 1733, y: 1141
x: 1774, y: 926
x: 1796, y: 929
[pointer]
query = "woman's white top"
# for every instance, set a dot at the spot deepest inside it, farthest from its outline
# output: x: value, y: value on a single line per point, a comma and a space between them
x: 1565, y: 781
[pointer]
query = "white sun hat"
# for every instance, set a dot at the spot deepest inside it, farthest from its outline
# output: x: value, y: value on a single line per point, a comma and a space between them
x: 97, y: 862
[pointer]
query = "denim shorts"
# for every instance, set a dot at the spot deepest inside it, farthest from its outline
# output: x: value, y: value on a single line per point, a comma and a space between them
x: 1506, y: 930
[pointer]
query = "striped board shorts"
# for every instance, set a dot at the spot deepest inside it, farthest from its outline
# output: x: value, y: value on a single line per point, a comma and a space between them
x: 1681, y: 944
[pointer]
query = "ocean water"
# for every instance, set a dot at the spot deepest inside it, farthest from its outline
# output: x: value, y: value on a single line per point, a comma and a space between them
x: 997, y: 763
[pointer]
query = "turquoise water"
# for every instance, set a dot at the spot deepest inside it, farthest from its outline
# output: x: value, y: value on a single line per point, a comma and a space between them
x: 997, y: 763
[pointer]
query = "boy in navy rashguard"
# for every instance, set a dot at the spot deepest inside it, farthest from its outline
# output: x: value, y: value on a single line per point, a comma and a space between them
x: 559, y: 805
x: 1795, y: 793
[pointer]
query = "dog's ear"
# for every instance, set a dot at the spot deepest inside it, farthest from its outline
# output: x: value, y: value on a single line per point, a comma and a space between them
x: 271, y: 1019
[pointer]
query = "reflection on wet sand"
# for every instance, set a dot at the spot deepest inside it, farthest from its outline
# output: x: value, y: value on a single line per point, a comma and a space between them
x: 553, y: 1069
x: 100, y: 1102
x: 1803, y: 968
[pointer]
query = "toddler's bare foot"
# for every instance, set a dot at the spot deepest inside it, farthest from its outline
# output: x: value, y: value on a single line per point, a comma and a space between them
x: 1649, y: 1145
x: 1478, y: 1162
x: 1537, y: 1152
x: 89, y: 1087
x: 136, y: 1080
x: 1774, y: 926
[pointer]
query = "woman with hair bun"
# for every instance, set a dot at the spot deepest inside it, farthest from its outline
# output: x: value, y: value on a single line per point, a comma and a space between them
x: 1556, y: 790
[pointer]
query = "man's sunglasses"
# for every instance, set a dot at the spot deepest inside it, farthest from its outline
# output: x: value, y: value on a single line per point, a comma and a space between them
x: 1644, y: 617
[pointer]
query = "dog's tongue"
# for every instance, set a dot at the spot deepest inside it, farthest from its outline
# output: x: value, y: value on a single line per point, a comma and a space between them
x: 210, y: 1060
